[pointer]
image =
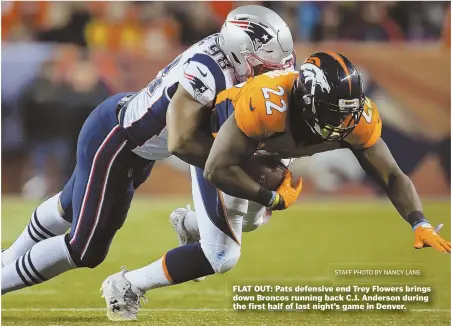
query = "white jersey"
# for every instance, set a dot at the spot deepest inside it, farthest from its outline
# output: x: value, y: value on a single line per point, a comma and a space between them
x: 203, y: 70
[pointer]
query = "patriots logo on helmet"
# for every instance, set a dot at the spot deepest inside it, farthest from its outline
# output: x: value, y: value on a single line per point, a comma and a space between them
x: 257, y: 32
x: 198, y: 85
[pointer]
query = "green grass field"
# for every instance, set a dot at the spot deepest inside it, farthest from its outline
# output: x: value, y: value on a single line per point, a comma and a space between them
x: 303, y: 245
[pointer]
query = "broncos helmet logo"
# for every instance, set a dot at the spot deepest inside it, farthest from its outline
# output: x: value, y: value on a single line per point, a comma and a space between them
x: 315, y: 75
x: 257, y: 32
x: 198, y: 85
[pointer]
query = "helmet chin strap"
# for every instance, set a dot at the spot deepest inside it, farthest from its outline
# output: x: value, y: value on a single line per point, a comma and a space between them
x: 325, y: 134
x: 247, y: 75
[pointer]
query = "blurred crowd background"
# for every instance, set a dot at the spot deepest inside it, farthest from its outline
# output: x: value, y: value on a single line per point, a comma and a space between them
x: 61, y: 59
x: 155, y: 27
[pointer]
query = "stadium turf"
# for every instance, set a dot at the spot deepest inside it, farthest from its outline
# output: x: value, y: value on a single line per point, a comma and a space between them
x: 304, y: 245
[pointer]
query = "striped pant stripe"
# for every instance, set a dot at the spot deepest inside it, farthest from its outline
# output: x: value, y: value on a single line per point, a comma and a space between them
x: 90, y: 178
x: 102, y: 197
x: 215, y: 207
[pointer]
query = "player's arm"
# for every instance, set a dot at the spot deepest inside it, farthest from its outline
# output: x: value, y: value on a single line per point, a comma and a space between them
x: 236, y: 141
x: 187, y: 139
x: 379, y: 164
x: 190, y: 108
x: 377, y: 161
x: 230, y: 149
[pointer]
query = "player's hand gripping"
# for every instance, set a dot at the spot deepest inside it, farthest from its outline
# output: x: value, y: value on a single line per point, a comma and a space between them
x: 426, y: 236
x: 286, y: 194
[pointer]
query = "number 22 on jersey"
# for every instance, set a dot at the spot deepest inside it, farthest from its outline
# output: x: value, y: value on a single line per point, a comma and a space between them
x: 270, y: 106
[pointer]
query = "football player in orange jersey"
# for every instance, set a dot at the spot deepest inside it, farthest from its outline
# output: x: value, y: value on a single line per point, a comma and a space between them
x: 320, y: 108
x: 290, y: 114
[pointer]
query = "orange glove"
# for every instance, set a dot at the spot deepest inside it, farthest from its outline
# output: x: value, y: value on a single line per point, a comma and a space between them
x: 286, y: 194
x: 426, y: 236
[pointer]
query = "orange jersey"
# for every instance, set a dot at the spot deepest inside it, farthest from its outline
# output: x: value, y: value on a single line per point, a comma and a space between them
x: 261, y: 106
x: 368, y: 130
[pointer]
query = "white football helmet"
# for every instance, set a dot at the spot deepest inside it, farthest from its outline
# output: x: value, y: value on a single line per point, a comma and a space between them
x: 255, y: 39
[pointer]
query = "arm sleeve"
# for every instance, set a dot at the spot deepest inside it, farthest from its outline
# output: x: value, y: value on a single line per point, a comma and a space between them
x: 202, y: 78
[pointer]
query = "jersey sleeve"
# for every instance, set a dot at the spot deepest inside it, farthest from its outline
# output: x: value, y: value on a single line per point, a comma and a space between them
x: 261, y: 106
x: 202, y: 78
x: 368, y: 130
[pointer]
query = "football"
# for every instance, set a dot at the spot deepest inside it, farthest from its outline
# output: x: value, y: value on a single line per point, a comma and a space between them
x: 267, y: 171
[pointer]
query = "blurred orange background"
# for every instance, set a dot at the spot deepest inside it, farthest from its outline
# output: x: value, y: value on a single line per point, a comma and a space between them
x: 55, y: 53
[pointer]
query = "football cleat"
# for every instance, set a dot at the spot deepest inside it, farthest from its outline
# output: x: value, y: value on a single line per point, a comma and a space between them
x: 123, y: 300
x: 177, y: 219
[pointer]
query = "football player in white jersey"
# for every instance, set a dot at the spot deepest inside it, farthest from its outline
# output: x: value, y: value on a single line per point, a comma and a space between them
x: 117, y: 148
x: 252, y: 40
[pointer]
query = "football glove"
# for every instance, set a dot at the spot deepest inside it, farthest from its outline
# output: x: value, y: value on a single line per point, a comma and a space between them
x: 426, y: 236
x: 286, y: 194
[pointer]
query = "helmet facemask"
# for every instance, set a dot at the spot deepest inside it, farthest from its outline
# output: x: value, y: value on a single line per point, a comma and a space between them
x: 332, y: 122
x: 259, y: 66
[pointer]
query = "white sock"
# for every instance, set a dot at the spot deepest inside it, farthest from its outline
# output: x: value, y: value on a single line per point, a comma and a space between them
x: 44, y: 261
x: 149, y: 277
x: 45, y: 222
x: 190, y: 223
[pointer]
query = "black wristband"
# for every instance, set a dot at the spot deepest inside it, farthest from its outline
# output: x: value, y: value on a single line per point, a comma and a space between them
x: 416, y: 217
x: 264, y: 196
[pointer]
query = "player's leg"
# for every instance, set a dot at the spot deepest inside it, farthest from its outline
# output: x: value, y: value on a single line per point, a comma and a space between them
x: 123, y: 297
x: 21, y: 272
x: 100, y: 168
x: 254, y: 217
x: 53, y: 217
x: 149, y: 277
x: 119, y: 293
x: 104, y: 181
x: 220, y: 221
x: 219, y: 218
x: 141, y: 170
x: 184, y: 220
x: 184, y: 223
